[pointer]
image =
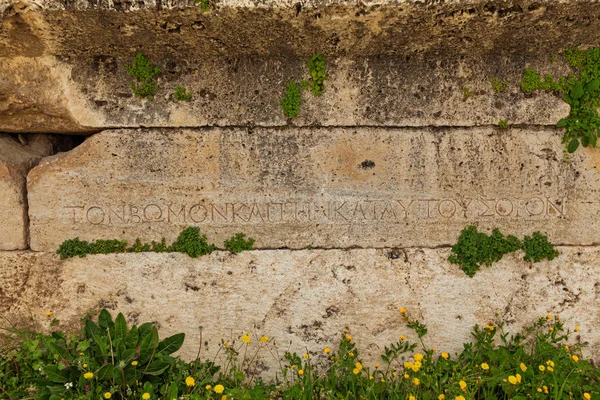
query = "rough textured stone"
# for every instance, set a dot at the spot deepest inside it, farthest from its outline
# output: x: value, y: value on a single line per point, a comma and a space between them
x: 62, y: 63
x: 16, y: 159
x: 305, y: 298
x: 330, y: 188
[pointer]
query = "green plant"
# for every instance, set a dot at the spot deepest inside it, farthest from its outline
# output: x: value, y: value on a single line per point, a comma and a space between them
x: 581, y: 91
x: 292, y: 100
x: 538, y: 248
x: 191, y: 243
x: 498, y: 85
x: 75, y: 247
x: 467, y: 93
x: 238, y: 243
x: 181, y: 94
x: 204, y: 5
x: 502, y: 124
x: 144, y: 73
x: 316, y: 69
x: 475, y: 249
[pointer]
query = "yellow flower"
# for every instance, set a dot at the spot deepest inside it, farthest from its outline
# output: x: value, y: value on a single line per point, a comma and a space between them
x: 539, y: 390
x: 358, y: 366
x: 300, y: 372
x: 576, y: 329
x: 518, y: 378
x: 587, y: 396
x: 408, y: 364
x: 550, y: 329
x: 542, y: 368
x: 512, y: 380
x: 548, y: 316
x: 348, y: 337
x: 411, y: 397
x: 84, y: 365
x: 445, y: 355
x: 406, y: 376
x: 146, y: 396
x: 459, y: 398
x: 523, y: 367
x: 264, y: 339
x: 351, y: 354
x: 246, y: 338
x: 402, y: 337
x: 327, y: 350
x: 48, y: 313
x: 305, y: 355
x: 88, y: 375
x: 107, y: 395
x: 371, y: 377
x: 226, y: 345
x: 567, y: 348
x: 346, y: 330
x: 545, y: 389
x: 416, y: 366
x: 574, y: 358
x: 208, y: 387
x: 189, y: 381
x: 134, y: 363
x: 433, y: 349
x: 441, y: 397
x: 356, y: 371
x: 403, y: 310
x: 418, y: 357
x: 382, y: 380
x: 484, y: 366
x: 416, y: 381
x: 463, y: 385
x: 219, y: 389
x: 377, y: 365
x: 223, y: 397
x: 550, y: 369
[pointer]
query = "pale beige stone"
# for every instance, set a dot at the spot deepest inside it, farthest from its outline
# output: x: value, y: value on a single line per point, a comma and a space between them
x: 325, y: 188
x: 304, y: 299
x: 16, y: 159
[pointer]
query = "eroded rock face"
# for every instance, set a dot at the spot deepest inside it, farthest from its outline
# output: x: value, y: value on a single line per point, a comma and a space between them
x: 16, y: 159
x: 307, y: 297
x: 330, y: 188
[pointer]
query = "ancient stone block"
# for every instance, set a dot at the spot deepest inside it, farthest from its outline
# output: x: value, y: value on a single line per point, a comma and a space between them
x: 303, y: 299
x: 330, y: 188
x: 16, y: 159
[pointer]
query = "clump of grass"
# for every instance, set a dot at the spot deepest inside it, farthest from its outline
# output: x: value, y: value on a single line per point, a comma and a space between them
x: 144, y: 72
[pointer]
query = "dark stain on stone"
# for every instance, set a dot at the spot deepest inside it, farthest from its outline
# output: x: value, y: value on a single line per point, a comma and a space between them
x: 191, y: 287
x: 367, y: 164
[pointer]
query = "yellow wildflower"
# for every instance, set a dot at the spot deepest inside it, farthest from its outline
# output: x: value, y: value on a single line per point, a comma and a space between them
x: 351, y: 354
x: 356, y: 371
x: 542, y: 368
x: 219, y: 389
x: 445, y: 355
x: 518, y: 378
x: 48, y: 313
x: 550, y: 369
x: 548, y: 316
x: 300, y: 372
x: 134, y: 363
x: 246, y: 338
x: 84, y: 365
x: 88, y: 375
x: 189, y: 381
x: 512, y: 380
x: 348, y: 337
x: 459, y: 398
x: 408, y: 364
x: 411, y: 397
x: 371, y: 377
x: 484, y: 366
x: 402, y: 337
x: 107, y: 395
x: 574, y: 358
x: 550, y: 329
x: 305, y: 355
x: 208, y: 387
x: 264, y: 339
x: 576, y: 329
x: 418, y: 357
x: 223, y: 397
x: 441, y: 397
x: 545, y: 389
x: 376, y: 365
x: 539, y: 390
x: 523, y: 367
x: 416, y: 381
x: 346, y: 330
x: 146, y: 396
x: 406, y: 376
x: 463, y: 385
x: 358, y: 366
x: 403, y: 310
x: 567, y: 348
x: 416, y: 366
x: 327, y: 350
x: 382, y: 380
x: 587, y: 396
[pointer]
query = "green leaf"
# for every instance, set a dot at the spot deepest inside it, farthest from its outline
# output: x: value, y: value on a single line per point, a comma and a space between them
x: 573, y: 145
x: 171, y: 344
x: 172, y: 392
x: 120, y: 326
x: 585, y: 141
x: 106, y: 371
x: 131, y: 340
x: 105, y: 320
x: 592, y: 86
x: 55, y: 375
x: 128, y: 355
x: 576, y: 91
x: 562, y: 123
x: 157, y: 367
x: 148, y: 345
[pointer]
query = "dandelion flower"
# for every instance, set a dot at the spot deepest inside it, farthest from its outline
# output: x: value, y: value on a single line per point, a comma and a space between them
x: 88, y: 375
x: 445, y: 355
x: 576, y: 329
x: 348, y: 337
x: 587, y: 396
x: 358, y: 366
x: 418, y: 357
x: 411, y: 397
x: 146, y: 396
x: 134, y: 363
x: 403, y: 310
x: 416, y: 381
x: 408, y: 364
x: 539, y: 390
x: 223, y: 397
x: 327, y: 350
x: 300, y: 372
x: 219, y: 389
x: 107, y: 395
x: 459, y: 398
x: 512, y: 379
x: 351, y: 354
x: 463, y: 385
x: 208, y: 387
x: 518, y: 378
x: 246, y: 338
x: 356, y: 371
x: 48, y: 313
x: 402, y: 337
x: 189, y: 381
x: 305, y: 355
x: 550, y: 363
x: 548, y: 316
x: 406, y: 376
x: 484, y: 366
x: 441, y: 397
x: 542, y: 368
x: 264, y: 339
x: 377, y: 365
x: 523, y: 367
x: 574, y: 358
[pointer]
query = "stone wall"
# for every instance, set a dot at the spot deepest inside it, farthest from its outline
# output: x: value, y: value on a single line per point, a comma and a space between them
x: 354, y: 204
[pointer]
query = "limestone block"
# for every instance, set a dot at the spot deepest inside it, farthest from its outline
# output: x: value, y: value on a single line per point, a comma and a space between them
x: 325, y: 188
x: 16, y: 160
x: 303, y: 299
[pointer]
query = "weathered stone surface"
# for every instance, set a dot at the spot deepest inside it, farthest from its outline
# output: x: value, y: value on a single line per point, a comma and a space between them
x: 16, y: 159
x: 62, y: 65
x: 307, y: 297
x: 330, y: 188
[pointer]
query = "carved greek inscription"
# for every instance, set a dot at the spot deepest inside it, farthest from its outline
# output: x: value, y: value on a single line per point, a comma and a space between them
x: 340, y: 212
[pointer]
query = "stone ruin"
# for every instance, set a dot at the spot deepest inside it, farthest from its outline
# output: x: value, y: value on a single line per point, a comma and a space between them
x: 354, y: 204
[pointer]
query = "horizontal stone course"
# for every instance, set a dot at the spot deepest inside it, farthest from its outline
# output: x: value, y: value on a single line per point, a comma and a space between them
x: 325, y: 188
x: 303, y: 299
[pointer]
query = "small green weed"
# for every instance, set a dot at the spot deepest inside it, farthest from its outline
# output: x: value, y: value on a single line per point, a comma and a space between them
x: 498, y: 85
x: 191, y: 243
x: 581, y: 91
x: 316, y: 69
x: 238, y: 243
x: 204, y: 5
x: 502, y: 124
x: 181, y: 94
x: 475, y: 248
x: 292, y: 99
x: 144, y: 73
x: 75, y: 247
x: 467, y: 93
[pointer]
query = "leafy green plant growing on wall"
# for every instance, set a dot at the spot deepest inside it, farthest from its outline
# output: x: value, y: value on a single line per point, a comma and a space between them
x: 204, y: 5
x: 238, y: 243
x: 191, y: 243
x: 498, y: 85
x: 316, y: 69
x: 580, y: 90
x: 144, y: 73
x: 502, y: 124
x: 292, y: 99
x: 181, y: 94
x: 467, y: 93
x: 475, y: 248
